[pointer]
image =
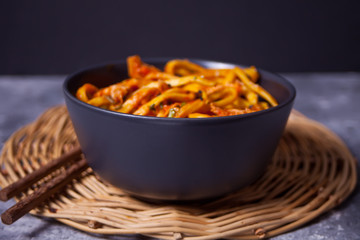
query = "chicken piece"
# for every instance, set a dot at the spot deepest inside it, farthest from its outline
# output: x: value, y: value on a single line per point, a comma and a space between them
x: 220, y: 112
x: 138, y: 69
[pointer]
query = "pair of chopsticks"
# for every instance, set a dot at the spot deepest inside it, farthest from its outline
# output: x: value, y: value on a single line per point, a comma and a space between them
x: 33, y: 200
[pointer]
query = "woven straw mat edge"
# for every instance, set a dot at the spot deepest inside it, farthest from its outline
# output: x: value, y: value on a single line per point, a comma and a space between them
x: 311, y: 172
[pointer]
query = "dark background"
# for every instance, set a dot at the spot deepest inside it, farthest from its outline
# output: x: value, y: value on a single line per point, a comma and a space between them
x: 58, y: 37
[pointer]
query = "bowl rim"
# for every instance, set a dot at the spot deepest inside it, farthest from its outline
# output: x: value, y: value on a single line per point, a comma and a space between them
x: 161, y: 60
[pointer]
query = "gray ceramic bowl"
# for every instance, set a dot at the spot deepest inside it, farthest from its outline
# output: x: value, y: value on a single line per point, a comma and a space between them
x: 176, y: 159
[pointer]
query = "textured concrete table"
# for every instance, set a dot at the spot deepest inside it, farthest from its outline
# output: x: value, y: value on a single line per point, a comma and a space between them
x: 332, y: 99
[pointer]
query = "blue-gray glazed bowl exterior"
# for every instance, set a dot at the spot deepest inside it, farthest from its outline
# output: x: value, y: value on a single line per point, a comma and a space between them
x: 176, y: 159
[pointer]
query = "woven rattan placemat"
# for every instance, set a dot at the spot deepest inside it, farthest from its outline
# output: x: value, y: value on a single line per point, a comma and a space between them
x: 312, y: 171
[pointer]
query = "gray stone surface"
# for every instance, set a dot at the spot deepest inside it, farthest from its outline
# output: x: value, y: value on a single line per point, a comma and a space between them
x: 330, y: 98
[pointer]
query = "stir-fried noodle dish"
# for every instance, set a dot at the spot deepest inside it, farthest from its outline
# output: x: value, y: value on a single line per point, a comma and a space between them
x: 182, y: 90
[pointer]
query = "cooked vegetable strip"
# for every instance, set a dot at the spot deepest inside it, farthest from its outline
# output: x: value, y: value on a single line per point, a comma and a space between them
x: 165, y: 110
x: 183, y: 90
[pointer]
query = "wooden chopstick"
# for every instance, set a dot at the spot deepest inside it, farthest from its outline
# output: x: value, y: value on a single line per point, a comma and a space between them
x: 25, y: 182
x: 47, y: 190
